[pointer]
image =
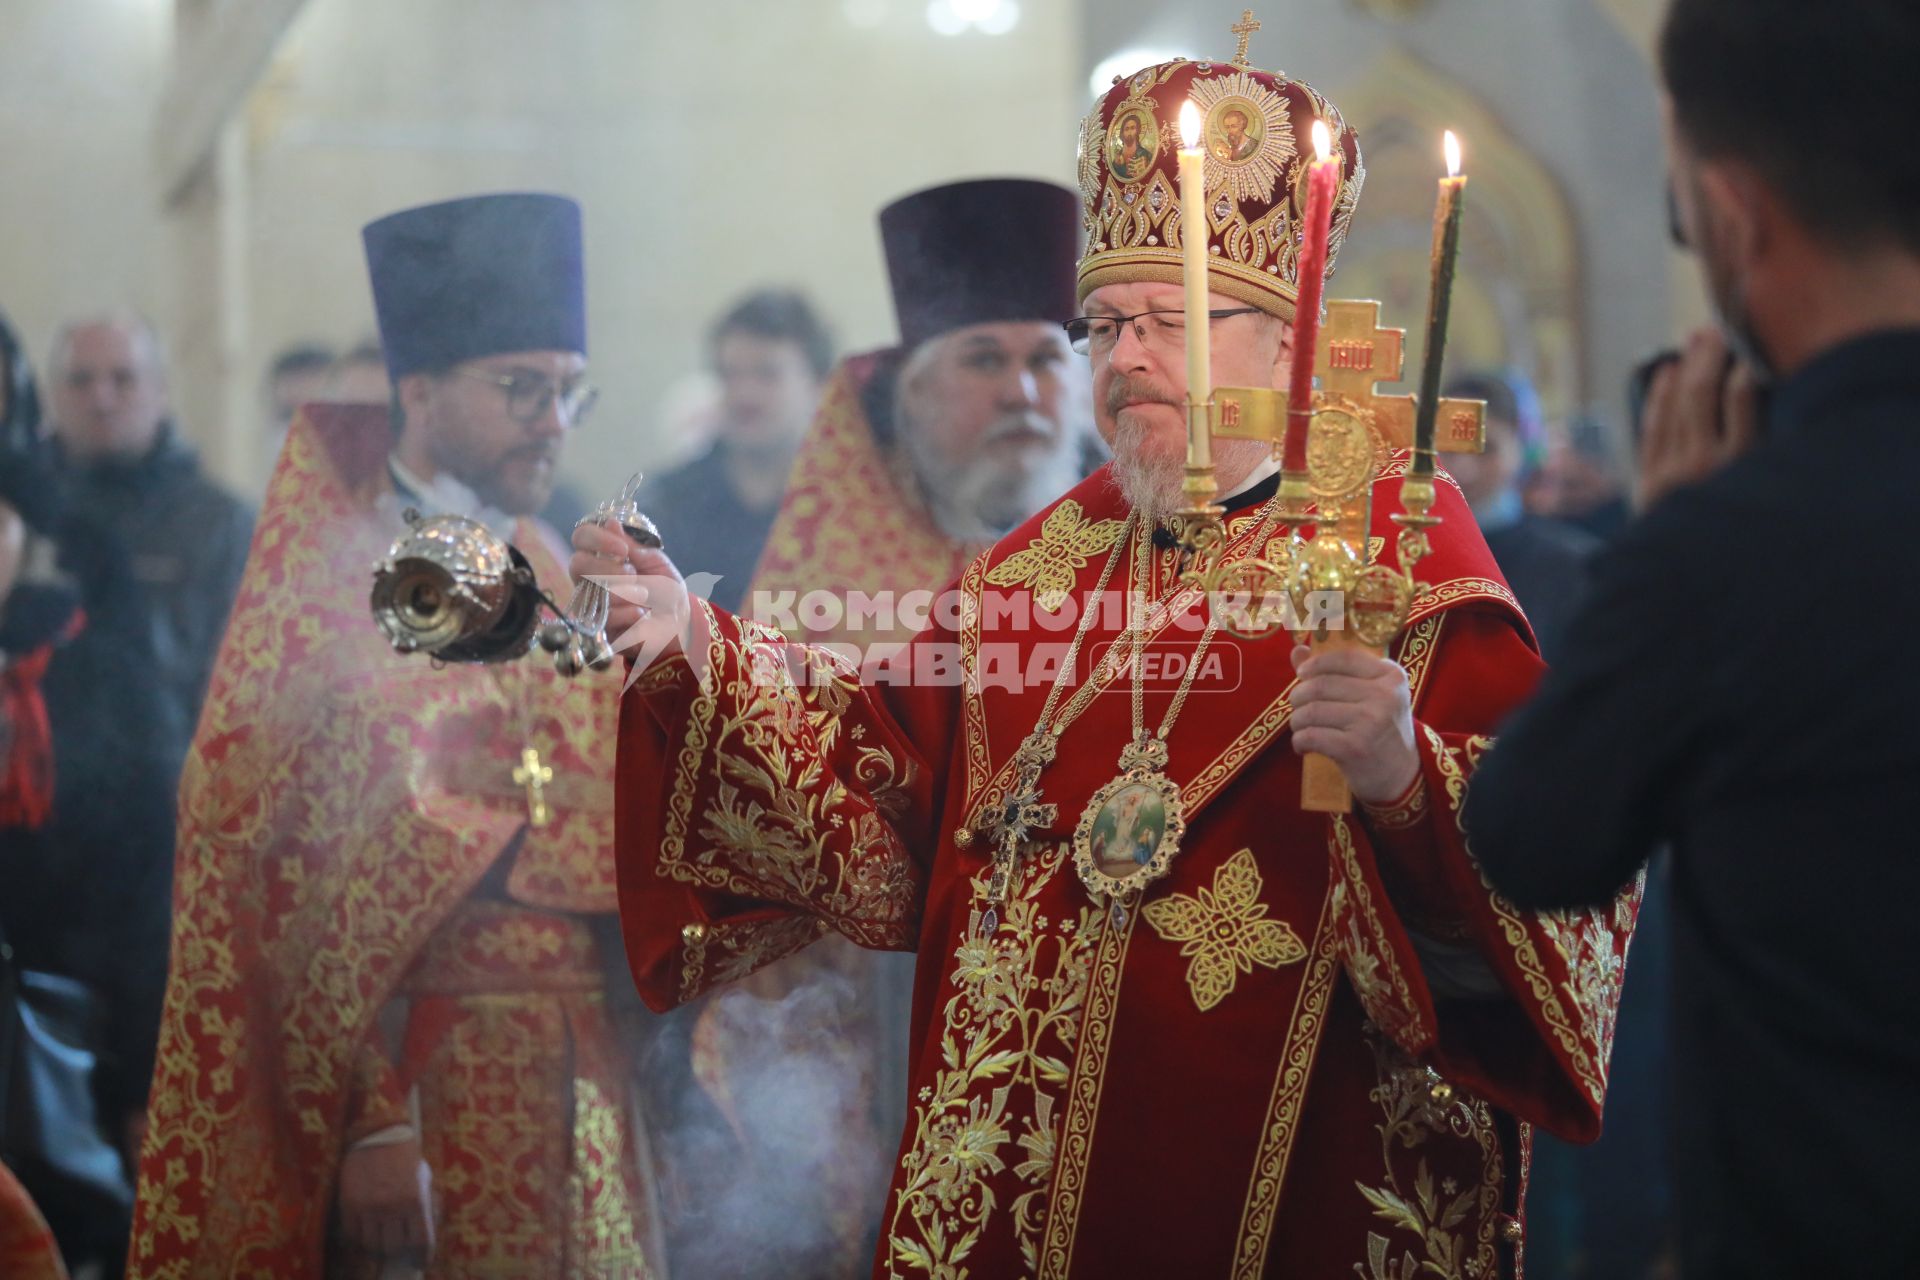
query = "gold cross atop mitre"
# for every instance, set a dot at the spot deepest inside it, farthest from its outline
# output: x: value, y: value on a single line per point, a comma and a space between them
x: 1244, y: 29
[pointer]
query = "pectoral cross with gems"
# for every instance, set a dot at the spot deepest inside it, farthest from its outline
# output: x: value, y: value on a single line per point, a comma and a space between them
x: 1020, y: 812
x: 534, y: 776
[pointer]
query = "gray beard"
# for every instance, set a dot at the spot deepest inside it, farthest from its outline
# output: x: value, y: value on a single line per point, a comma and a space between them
x: 1152, y: 485
x: 981, y: 500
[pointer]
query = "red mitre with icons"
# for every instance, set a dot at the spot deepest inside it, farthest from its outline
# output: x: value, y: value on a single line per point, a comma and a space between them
x: 1256, y: 132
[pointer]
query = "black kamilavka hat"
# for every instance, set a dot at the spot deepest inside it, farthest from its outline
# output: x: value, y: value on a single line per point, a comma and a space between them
x: 980, y: 251
x: 477, y: 277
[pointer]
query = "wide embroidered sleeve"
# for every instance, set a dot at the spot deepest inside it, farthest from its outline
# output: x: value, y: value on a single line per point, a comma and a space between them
x: 765, y: 796
x: 1517, y: 1006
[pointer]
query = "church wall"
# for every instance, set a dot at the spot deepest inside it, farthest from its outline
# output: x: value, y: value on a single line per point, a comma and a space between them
x: 716, y: 146
x: 78, y: 230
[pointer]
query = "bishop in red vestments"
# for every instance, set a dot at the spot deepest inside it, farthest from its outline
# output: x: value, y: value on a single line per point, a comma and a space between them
x: 920, y: 456
x: 1316, y: 1045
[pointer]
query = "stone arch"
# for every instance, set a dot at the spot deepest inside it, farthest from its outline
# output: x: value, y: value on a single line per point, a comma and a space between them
x: 1517, y: 293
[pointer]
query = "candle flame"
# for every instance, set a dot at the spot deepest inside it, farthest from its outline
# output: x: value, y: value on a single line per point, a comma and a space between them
x: 1452, y: 145
x: 1323, y: 139
x: 1190, y: 125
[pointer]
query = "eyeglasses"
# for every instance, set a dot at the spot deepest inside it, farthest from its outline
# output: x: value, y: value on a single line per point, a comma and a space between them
x: 1163, y: 330
x: 529, y: 396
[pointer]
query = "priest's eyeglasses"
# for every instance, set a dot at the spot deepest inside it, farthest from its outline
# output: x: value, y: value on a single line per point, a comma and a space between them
x: 1160, y: 330
x: 529, y: 396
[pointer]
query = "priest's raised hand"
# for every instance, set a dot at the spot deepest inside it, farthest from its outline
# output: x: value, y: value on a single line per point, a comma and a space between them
x: 650, y: 605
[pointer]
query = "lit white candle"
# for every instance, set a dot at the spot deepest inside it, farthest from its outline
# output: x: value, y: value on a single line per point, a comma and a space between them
x: 1193, y: 242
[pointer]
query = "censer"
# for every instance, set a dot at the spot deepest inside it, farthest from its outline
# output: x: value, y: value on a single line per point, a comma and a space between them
x: 453, y: 589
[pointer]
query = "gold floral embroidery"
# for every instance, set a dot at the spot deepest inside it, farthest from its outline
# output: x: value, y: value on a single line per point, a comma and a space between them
x: 1376, y: 976
x: 1595, y: 972
x: 1005, y: 1054
x: 1050, y: 563
x: 1225, y: 930
x: 739, y: 948
x: 1067, y: 1196
x: 770, y: 831
x: 1418, y: 644
x: 1453, y: 1225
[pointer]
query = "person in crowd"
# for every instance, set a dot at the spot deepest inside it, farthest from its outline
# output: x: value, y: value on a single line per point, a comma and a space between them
x: 124, y: 462
x: 1542, y: 559
x: 299, y: 375
x: 86, y: 840
x: 771, y: 353
x: 1686, y: 709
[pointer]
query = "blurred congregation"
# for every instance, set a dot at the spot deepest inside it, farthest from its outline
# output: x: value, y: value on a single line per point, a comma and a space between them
x: 824, y: 251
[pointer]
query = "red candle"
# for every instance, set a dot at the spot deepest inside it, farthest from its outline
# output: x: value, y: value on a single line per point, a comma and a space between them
x: 1317, y: 221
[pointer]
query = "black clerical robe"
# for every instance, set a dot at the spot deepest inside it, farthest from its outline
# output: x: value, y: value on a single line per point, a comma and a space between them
x: 1738, y: 684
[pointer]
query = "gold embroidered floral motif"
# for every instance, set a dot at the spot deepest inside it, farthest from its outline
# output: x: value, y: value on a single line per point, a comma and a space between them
x: 1595, y: 972
x: 1225, y: 930
x: 1454, y: 1225
x: 1383, y: 989
x: 1005, y: 1055
x: 768, y: 831
x: 1050, y: 563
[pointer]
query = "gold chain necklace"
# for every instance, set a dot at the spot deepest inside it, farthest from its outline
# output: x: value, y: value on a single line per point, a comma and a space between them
x: 1021, y: 810
x: 1142, y: 764
x: 1130, y: 831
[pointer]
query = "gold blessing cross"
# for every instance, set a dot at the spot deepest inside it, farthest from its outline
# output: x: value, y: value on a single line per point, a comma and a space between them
x: 534, y: 776
x: 1356, y: 355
